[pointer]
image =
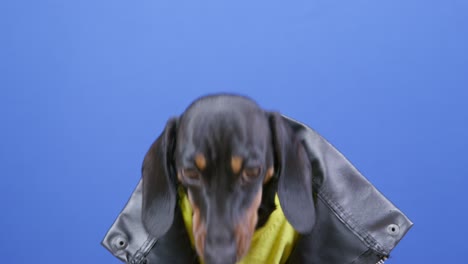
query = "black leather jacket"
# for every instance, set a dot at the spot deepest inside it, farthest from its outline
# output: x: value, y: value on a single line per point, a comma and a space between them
x: 355, y: 222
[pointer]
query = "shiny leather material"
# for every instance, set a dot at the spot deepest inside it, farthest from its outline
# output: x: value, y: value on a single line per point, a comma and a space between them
x: 355, y: 222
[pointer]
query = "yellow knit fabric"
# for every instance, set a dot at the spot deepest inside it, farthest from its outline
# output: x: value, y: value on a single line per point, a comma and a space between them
x: 271, y: 244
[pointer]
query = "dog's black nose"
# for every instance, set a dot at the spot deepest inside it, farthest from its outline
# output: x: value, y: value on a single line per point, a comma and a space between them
x: 220, y: 249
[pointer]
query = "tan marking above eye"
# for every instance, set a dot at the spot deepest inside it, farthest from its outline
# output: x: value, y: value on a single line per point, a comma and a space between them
x: 200, y: 161
x: 236, y: 164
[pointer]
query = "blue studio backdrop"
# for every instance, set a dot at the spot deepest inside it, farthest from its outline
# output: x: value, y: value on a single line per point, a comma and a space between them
x: 86, y: 86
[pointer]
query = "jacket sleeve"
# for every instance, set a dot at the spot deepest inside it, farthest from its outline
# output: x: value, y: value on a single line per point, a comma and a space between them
x: 127, y: 239
x: 355, y: 222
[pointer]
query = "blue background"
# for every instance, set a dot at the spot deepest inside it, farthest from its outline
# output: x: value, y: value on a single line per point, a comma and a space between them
x: 86, y: 86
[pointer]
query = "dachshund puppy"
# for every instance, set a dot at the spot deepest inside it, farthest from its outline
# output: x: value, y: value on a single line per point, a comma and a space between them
x: 232, y: 158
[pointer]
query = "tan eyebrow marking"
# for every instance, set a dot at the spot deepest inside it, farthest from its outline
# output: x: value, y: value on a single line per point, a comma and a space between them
x: 200, y: 161
x: 236, y: 164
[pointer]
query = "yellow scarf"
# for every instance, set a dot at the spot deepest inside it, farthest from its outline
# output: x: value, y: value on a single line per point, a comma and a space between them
x: 272, y: 243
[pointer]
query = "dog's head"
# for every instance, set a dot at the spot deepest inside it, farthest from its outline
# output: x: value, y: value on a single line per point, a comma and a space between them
x: 231, y: 156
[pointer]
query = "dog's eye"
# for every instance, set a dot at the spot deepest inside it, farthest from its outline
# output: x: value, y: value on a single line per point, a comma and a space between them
x: 191, y: 173
x: 251, y: 173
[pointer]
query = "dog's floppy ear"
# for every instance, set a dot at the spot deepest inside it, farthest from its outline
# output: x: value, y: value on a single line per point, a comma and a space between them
x: 159, y: 187
x: 295, y: 176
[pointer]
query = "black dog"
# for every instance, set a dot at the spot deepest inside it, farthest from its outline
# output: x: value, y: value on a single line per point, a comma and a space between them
x: 232, y: 157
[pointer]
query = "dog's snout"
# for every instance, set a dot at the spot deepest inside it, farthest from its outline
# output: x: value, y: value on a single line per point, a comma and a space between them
x: 221, y: 236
